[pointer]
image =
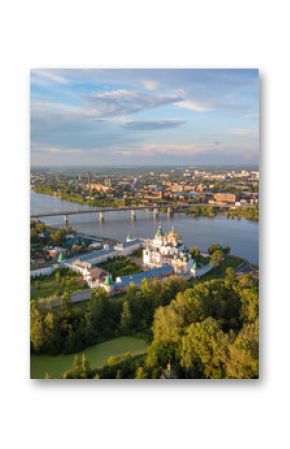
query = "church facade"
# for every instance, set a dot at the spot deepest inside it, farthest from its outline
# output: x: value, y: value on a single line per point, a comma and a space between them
x: 169, y: 249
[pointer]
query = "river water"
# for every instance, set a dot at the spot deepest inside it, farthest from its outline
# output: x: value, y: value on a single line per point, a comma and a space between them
x: 241, y: 235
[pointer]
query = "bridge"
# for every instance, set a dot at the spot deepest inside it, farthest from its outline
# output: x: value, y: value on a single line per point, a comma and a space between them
x: 170, y: 209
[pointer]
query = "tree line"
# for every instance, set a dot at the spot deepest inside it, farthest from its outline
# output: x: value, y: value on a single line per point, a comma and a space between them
x: 208, y: 331
x: 71, y: 328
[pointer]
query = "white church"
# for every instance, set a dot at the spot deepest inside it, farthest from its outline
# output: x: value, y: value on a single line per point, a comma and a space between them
x: 169, y: 249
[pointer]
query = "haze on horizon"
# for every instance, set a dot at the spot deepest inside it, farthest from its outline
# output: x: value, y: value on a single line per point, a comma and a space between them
x: 144, y: 117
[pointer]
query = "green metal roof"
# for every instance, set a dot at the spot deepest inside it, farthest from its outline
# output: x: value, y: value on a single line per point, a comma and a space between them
x: 60, y: 257
x: 108, y: 280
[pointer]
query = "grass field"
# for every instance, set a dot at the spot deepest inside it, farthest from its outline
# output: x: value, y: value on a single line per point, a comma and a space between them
x: 45, y: 288
x: 48, y: 286
x: 97, y: 356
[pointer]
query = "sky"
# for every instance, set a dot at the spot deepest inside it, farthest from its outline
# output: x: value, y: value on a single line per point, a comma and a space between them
x: 144, y: 117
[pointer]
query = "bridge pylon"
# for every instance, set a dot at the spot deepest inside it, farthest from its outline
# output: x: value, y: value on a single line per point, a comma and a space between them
x: 133, y: 215
x: 155, y: 212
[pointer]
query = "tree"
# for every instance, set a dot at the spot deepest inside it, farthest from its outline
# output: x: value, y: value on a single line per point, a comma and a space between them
x: 58, y: 277
x: 37, y: 334
x: 57, y: 236
x: 227, y: 249
x: 216, y: 258
x: 243, y: 360
x: 140, y: 373
x: 160, y: 353
x: 80, y: 368
x: 249, y: 305
x: 125, y: 320
x: 195, y: 253
x: 214, y: 247
x: 230, y: 275
x: 34, y: 236
x: 65, y: 297
x: 203, y: 350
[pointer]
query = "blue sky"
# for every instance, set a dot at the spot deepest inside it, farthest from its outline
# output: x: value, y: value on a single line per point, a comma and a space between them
x: 144, y: 117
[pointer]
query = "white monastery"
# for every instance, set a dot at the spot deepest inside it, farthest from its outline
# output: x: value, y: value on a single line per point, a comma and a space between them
x: 169, y: 249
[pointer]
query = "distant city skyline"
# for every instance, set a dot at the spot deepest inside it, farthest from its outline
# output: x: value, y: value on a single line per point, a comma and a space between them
x: 133, y: 117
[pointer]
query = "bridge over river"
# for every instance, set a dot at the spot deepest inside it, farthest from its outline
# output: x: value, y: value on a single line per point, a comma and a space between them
x: 170, y: 208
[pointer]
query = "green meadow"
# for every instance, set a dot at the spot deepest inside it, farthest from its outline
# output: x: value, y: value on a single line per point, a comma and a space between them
x: 97, y: 356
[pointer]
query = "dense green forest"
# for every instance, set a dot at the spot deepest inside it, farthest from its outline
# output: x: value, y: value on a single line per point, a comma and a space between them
x: 207, y: 331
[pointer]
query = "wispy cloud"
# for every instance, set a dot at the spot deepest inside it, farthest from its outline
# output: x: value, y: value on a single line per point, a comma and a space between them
x: 185, y: 150
x: 46, y: 109
x: 153, y: 125
x: 239, y: 132
x: 166, y: 149
x: 43, y: 77
x: 123, y: 102
x: 56, y: 150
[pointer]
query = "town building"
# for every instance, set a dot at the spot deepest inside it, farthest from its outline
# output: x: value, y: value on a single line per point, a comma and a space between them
x: 227, y: 198
x: 98, y: 187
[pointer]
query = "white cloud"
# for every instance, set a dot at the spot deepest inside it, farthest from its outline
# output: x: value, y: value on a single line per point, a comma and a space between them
x: 194, y: 105
x: 150, y: 84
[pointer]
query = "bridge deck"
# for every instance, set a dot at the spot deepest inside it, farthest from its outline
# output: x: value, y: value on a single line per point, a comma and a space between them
x: 120, y: 209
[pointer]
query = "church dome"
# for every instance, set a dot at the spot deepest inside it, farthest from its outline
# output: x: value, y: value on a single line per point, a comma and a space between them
x: 159, y: 232
x: 172, y: 234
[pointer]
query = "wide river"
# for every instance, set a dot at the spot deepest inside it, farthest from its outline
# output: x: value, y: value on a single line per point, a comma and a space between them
x: 241, y: 235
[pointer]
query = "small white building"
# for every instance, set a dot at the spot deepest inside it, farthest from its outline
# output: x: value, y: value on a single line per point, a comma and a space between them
x: 95, y: 276
x: 87, y: 261
x: 128, y: 247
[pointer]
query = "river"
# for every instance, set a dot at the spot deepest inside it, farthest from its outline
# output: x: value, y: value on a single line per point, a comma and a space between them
x: 241, y: 235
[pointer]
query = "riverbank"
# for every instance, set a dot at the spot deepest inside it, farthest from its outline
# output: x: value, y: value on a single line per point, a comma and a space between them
x: 79, y: 199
